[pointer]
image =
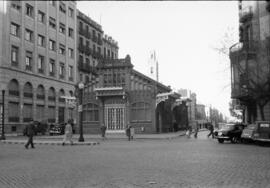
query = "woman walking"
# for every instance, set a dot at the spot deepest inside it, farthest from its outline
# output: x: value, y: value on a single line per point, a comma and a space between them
x: 68, y: 133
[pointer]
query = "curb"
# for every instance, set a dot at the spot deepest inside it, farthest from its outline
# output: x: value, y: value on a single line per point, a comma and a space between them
x: 50, y: 143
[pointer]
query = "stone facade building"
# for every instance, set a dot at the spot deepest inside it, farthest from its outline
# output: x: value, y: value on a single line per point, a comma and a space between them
x: 250, y: 61
x: 38, y: 60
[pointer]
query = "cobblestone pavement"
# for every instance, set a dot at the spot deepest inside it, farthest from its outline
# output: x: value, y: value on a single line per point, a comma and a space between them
x: 174, y: 163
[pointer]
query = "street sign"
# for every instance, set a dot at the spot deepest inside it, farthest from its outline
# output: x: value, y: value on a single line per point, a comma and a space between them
x: 80, y: 108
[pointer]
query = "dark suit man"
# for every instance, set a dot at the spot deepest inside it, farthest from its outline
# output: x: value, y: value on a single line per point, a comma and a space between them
x: 30, y: 132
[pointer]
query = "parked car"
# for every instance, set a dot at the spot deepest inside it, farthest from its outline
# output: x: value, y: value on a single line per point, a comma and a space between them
x: 57, y: 129
x: 262, y: 133
x: 248, y: 132
x: 230, y: 132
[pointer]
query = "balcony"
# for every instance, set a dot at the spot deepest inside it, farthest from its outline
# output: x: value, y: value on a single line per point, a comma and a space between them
x: 81, y: 31
x: 94, y: 38
x: 70, y: 79
x: 246, y: 14
x: 62, y: 100
x: 87, y: 35
x: 81, y: 48
x: 51, y: 98
x: 242, y: 51
x: 51, y: 74
x: 61, y: 76
x: 87, y: 50
x: 99, y: 41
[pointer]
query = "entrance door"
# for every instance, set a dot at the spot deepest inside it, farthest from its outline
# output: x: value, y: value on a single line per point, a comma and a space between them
x: 115, y: 117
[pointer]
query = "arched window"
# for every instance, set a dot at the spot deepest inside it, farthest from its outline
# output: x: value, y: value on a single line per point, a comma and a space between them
x: 140, y: 111
x: 40, y: 92
x: 51, y: 94
x: 71, y: 93
x: 28, y: 90
x: 13, y: 88
x: 61, y: 93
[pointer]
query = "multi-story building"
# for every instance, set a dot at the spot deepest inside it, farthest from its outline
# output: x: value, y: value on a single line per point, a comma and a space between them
x: 250, y: 66
x: 38, y: 61
x: 92, y: 46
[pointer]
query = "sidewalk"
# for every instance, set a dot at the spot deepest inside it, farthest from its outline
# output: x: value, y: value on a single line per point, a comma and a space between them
x: 90, y: 139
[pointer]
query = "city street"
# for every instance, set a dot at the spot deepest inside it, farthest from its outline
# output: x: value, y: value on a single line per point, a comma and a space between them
x: 172, y: 163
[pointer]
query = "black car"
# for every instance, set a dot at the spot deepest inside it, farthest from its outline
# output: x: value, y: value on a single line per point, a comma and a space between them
x: 230, y: 132
x: 57, y: 129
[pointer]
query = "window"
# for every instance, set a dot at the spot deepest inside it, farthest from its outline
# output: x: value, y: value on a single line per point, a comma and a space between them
x: 62, y: 28
x: 70, y: 12
x: 16, y: 5
x: 70, y: 53
x: 140, y: 112
x: 99, y: 50
x: 70, y: 72
x: 70, y: 32
x: 109, y: 53
x: 14, y: 55
x: 62, y: 49
x: 40, y: 63
x: 51, y: 67
x: 14, y: 29
x: 52, y: 45
x: 13, y: 112
x: 90, y: 112
x: 52, y: 3
x: 52, y: 23
x: 29, y: 10
x: 41, y: 40
x: 61, y: 70
x: 41, y: 17
x: 62, y: 7
x: 28, y: 60
x: 29, y: 35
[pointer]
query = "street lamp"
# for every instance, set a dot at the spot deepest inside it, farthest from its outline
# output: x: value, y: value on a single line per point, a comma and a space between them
x: 81, y: 86
x: 2, y: 111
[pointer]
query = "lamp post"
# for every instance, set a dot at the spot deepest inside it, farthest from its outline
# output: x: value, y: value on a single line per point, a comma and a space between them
x: 3, y: 116
x: 81, y: 86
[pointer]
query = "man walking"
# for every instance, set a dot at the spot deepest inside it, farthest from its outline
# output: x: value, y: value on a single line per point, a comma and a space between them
x: 30, y: 131
x: 103, y: 131
x: 211, y: 129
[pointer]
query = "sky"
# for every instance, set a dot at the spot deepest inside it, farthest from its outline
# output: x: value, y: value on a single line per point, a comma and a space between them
x: 183, y: 35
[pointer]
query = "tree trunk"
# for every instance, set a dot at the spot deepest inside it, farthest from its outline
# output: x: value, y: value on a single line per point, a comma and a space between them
x: 261, y: 109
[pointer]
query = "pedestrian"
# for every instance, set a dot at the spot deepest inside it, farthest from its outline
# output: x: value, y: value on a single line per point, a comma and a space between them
x: 196, y: 130
x: 132, y: 132
x: 211, y: 129
x: 68, y: 133
x: 128, y: 131
x: 188, y: 132
x: 103, y: 131
x: 30, y: 132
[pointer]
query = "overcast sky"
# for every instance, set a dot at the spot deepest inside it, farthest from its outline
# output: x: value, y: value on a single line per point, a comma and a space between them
x: 183, y: 34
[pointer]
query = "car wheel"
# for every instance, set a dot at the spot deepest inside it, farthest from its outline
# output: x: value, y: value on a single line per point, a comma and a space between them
x: 220, y: 140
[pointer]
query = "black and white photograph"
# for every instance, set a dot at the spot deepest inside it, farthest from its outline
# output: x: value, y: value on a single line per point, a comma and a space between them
x: 134, y: 94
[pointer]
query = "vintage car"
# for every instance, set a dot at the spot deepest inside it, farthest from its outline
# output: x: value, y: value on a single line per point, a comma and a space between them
x: 57, y: 129
x: 230, y: 132
x: 248, y: 132
x: 262, y: 133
